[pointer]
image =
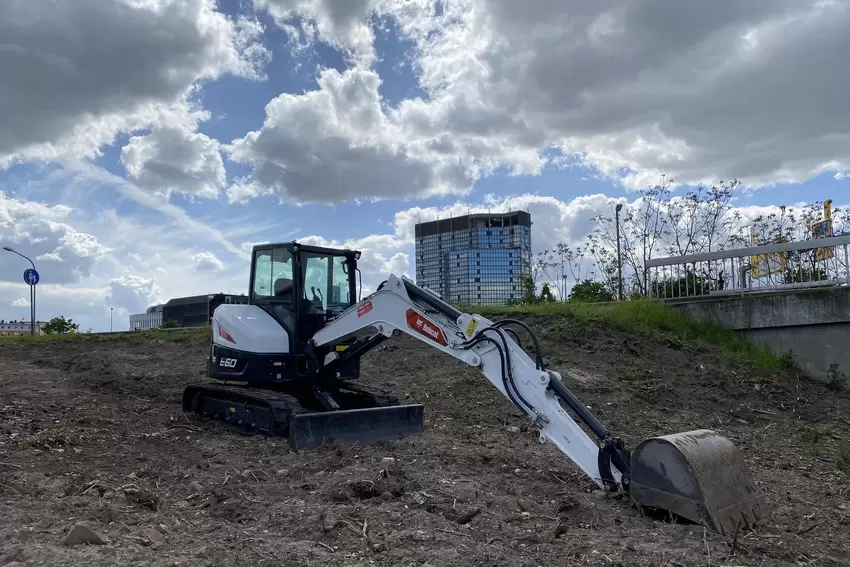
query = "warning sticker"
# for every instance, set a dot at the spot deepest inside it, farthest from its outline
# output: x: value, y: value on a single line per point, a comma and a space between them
x: 471, y: 327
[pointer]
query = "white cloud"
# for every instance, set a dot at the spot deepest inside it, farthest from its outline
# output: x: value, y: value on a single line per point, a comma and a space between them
x: 41, y: 232
x: 80, y: 72
x: 173, y: 158
x: 554, y: 220
x: 208, y: 262
x: 381, y: 255
x: 338, y: 22
x: 82, y: 304
x: 336, y: 143
x: 133, y: 294
x: 699, y: 91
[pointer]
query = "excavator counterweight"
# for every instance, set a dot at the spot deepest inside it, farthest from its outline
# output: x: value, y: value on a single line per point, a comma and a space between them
x: 295, y: 354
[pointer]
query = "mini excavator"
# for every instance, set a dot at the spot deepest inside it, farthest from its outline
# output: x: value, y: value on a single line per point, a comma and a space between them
x: 286, y: 364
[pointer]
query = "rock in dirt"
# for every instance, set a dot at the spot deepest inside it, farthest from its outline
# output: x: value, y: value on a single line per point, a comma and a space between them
x: 153, y: 538
x: 142, y: 498
x: 81, y: 534
x: 14, y: 564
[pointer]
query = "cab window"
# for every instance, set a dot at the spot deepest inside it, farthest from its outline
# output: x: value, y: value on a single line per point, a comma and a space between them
x: 273, y: 274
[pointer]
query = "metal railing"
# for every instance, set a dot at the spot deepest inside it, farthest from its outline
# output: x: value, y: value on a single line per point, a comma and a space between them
x: 772, y: 267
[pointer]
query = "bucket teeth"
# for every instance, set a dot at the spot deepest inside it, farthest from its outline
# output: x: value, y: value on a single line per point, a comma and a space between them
x: 697, y: 475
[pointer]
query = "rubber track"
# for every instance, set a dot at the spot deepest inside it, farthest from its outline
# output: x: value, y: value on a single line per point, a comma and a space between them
x: 280, y: 404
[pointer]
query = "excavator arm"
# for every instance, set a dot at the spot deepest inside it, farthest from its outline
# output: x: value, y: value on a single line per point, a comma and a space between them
x: 400, y: 306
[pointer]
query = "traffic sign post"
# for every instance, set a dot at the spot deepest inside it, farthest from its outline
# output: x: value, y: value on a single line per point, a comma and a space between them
x: 31, y: 277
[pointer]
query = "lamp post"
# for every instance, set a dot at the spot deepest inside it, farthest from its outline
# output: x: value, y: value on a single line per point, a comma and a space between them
x: 31, y: 278
x: 110, y: 319
x: 619, y: 258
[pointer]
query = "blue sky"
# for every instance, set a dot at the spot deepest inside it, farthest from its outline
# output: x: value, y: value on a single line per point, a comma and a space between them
x: 143, y: 199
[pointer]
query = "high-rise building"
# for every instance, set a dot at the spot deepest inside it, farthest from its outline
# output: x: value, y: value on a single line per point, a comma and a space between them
x: 475, y: 259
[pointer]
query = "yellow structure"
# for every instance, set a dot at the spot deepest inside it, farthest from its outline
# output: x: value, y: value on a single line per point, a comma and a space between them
x: 823, y: 229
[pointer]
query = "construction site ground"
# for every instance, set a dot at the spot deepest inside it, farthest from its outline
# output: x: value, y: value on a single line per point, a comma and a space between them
x: 92, y: 433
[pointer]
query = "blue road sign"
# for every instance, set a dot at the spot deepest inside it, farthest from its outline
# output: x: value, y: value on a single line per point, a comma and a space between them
x: 31, y: 276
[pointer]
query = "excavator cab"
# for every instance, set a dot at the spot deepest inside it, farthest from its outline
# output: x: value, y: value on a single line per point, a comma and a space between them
x: 302, y: 287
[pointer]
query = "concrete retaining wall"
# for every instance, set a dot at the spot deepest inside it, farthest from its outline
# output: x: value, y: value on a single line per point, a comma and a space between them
x: 814, y: 323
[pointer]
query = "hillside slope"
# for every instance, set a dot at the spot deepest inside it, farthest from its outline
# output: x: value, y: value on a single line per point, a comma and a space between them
x: 92, y: 432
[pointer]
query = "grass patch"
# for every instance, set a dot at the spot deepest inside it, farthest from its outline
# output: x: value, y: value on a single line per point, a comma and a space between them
x: 177, y: 335
x: 649, y: 318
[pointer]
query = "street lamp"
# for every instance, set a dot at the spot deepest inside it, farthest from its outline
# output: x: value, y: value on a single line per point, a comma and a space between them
x: 31, y: 278
x: 619, y: 258
x: 110, y: 319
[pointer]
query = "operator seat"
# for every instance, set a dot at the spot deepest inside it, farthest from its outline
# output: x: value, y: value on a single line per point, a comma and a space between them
x: 283, y: 288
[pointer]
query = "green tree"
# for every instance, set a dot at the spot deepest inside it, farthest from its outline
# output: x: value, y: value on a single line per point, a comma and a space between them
x: 590, y: 291
x: 170, y: 324
x: 60, y: 326
x: 546, y: 294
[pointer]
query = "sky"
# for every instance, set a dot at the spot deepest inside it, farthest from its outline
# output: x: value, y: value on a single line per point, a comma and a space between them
x: 146, y: 145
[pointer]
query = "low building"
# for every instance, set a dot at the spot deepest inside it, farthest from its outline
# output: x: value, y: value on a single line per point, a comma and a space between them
x: 192, y: 311
x: 197, y: 310
x: 150, y: 319
x: 19, y: 328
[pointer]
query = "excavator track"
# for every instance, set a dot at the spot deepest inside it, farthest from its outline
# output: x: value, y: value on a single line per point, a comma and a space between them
x: 365, y: 414
x: 253, y: 409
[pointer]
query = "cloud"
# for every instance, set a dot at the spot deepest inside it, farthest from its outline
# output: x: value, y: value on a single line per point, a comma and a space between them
x: 42, y: 232
x: 208, y: 262
x: 338, y: 22
x: 336, y: 144
x: 381, y: 255
x: 553, y: 220
x: 80, y: 303
x: 133, y: 294
x: 79, y: 72
x: 700, y: 91
x: 176, y: 159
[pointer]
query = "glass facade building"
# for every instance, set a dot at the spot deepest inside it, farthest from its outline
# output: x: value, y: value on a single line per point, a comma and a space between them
x: 150, y: 319
x: 475, y: 259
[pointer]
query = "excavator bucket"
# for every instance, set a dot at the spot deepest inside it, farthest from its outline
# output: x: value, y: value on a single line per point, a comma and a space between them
x: 697, y: 475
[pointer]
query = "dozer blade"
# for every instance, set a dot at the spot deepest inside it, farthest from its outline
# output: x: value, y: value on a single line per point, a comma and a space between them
x: 367, y: 425
x: 697, y: 475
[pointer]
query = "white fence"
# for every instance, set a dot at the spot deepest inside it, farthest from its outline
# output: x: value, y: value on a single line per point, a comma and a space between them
x: 772, y: 267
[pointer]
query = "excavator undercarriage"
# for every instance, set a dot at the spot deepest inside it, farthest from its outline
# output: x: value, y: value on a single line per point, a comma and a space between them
x: 285, y: 364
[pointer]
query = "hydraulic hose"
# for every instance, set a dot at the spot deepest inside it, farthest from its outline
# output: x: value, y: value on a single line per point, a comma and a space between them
x: 538, y: 352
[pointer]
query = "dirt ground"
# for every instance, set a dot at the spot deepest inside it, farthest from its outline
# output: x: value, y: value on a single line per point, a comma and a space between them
x: 94, y: 434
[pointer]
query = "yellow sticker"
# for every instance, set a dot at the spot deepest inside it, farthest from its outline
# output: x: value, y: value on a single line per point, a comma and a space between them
x: 471, y: 327
x: 232, y: 410
x: 340, y: 348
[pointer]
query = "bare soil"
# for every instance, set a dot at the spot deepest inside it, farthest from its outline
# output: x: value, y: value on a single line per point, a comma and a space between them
x: 93, y: 433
